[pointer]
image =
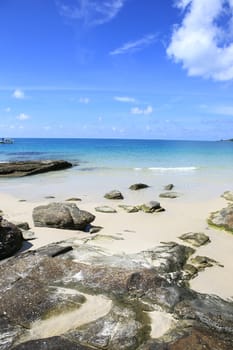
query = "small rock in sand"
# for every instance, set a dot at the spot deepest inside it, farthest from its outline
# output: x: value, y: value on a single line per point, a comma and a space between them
x: 138, y: 186
x: 196, y: 239
x: 115, y: 194
x: 105, y: 209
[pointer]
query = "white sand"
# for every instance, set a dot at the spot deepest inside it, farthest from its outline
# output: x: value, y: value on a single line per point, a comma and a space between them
x: 95, y: 306
x: 141, y: 231
x: 138, y: 231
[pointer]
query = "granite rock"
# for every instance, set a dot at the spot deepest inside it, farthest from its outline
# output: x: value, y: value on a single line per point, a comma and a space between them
x: 115, y: 194
x: 168, y: 187
x: 138, y: 186
x: 105, y: 209
x: 171, y: 195
x: 25, y: 168
x: 151, y: 207
x: 223, y: 218
x: 129, y: 208
x: 197, y: 239
x: 11, y: 239
x: 136, y: 283
x: 62, y: 216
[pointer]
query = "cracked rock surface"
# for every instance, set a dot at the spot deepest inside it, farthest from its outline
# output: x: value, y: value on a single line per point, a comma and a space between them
x: 39, y: 286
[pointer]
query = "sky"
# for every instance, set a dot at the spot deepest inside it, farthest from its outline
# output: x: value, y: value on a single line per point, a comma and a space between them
x: 136, y: 69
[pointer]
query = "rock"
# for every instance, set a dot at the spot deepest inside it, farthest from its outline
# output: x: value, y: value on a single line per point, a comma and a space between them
x: 59, y: 274
x: 201, y: 262
x: 95, y: 229
x: 28, y: 235
x: 196, y: 239
x: 121, y: 329
x: 168, y: 187
x: 129, y: 208
x: 151, y: 207
x: 169, y: 195
x: 11, y: 239
x: 73, y: 199
x: 22, y: 225
x: 49, y: 197
x: 190, y: 338
x: 223, y: 218
x: 228, y: 195
x: 138, y: 186
x: 105, y: 209
x: 190, y: 271
x: 62, y: 216
x: 115, y: 194
x: 25, y: 168
x: 53, y: 343
x: 103, y: 238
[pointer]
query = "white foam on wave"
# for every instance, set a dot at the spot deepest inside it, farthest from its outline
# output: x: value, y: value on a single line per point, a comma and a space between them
x: 169, y: 169
x: 175, y: 169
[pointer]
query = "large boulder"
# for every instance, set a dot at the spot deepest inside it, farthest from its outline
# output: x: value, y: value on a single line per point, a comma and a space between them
x: 17, y: 169
x: 11, y: 239
x: 85, y: 298
x: 62, y: 215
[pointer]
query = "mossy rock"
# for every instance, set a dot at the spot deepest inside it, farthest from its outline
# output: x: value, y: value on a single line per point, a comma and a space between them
x: 196, y: 239
x: 222, y: 218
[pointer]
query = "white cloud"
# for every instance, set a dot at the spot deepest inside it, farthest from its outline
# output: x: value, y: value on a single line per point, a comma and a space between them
x: 203, y: 43
x: 84, y: 100
x: 136, y: 110
x: 92, y: 12
x: 134, y: 46
x: 125, y: 99
x: 19, y: 94
x: 23, y: 116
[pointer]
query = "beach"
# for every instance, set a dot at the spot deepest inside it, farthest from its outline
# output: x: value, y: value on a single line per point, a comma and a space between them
x: 131, y: 240
x: 124, y: 232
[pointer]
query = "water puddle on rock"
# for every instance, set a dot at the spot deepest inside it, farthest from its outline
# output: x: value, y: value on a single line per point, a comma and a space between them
x: 96, y: 306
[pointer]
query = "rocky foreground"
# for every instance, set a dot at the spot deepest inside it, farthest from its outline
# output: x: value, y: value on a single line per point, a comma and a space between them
x: 45, y: 295
x: 77, y: 296
x: 25, y: 168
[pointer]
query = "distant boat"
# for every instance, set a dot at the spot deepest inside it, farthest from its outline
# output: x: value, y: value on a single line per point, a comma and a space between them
x: 6, y: 141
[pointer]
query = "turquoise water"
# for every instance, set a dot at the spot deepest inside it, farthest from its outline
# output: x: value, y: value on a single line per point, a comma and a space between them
x: 154, y: 155
x: 198, y: 169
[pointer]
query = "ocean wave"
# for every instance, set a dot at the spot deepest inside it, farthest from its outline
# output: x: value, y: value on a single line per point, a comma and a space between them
x: 169, y: 169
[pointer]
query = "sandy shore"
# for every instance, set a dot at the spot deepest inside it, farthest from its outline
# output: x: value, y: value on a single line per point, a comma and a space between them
x: 138, y: 231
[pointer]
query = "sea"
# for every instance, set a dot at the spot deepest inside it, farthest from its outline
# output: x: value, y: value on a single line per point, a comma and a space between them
x: 105, y: 164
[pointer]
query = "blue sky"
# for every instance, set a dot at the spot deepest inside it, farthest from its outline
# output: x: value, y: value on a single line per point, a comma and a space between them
x: 158, y: 69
